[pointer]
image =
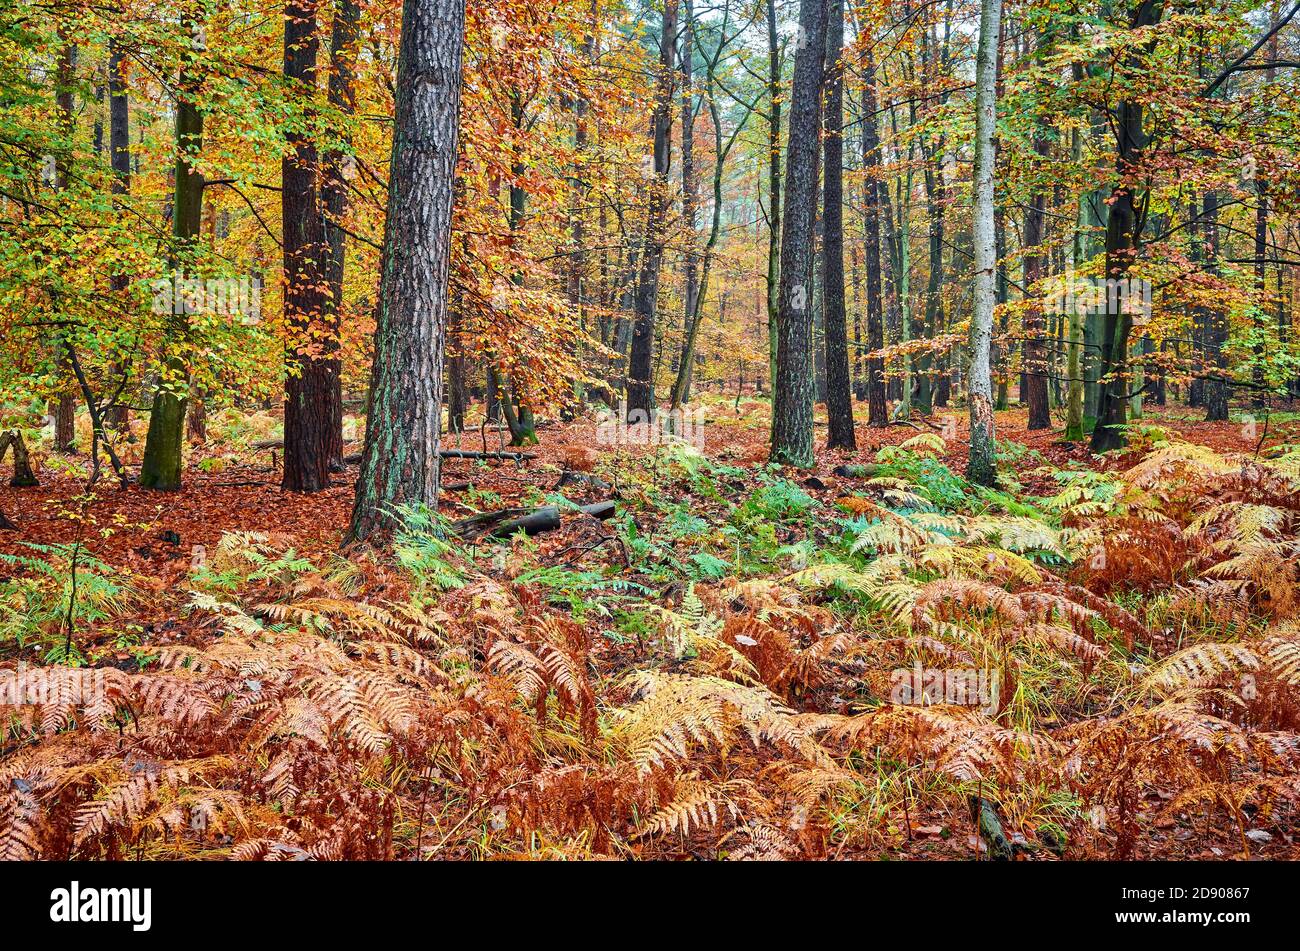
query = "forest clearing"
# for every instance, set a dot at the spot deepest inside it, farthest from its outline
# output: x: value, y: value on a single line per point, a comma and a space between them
x: 650, y: 429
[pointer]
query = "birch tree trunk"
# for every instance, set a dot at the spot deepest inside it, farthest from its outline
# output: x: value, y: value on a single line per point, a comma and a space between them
x: 981, y: 468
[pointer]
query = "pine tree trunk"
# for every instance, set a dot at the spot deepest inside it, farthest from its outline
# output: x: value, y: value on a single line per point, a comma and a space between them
x: 839, y: 392
x: 399, y: 465
x: 792, y: 410
x: 309, y: 385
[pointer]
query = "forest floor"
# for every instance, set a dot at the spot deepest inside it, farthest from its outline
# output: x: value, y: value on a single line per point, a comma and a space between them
x: 708, y: 579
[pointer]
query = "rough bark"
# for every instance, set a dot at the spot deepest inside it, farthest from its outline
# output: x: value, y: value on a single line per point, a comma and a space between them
x: 309, y: 383
x: 839, y: 392
x: 792, y: 410
x: 399, y: 464
x: 23, y: 477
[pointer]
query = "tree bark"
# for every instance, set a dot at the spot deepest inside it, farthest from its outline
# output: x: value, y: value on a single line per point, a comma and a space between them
x: 792, y: 409
x: 161, y: 466
x: 309, y: 383
x: 1035, y: 266
x: 400, y: 462
x: 334, y: 196
x: 877, y: 407
x: 839, y: 387
x: 117, y: 417
x: 23, y: 477
x: 1123, y: 241
x: 640, y: 382
x: 1216, y: 319
x: 773, y: 189
x: 982, y: 468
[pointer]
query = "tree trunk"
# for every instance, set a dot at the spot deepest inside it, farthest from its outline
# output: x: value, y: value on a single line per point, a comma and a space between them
x: 399, y: 465
x: 1216, y: 319
x: 196, y: 419
x: 65, y: 412
x: 640, y: 382
x: 1035, y: 266
x: 1123, y: 241
x: 690, y: 202
x: 774, y: 98
x: 161, y: 466
x: 309, y: 384
x: 1074, y: 344
x: 877, y: 408
x: 982, y: 468
x: 334, y: 197
x: 839, y: 392
x: 23, y: 477
x: 792, y: 409
x: 117, y: 416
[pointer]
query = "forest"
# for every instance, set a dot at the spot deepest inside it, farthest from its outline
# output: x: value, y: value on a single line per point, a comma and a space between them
x: 650, y: 429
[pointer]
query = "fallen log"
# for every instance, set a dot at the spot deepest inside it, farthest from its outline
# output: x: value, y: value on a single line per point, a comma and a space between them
x: 856, y: 472
x: 985, y: 814
x: 506, y: 522
x: 475, y: 454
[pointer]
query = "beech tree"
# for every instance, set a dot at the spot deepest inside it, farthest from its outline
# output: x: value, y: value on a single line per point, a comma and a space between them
x: 161, y: 467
